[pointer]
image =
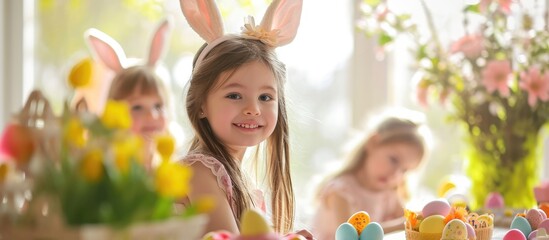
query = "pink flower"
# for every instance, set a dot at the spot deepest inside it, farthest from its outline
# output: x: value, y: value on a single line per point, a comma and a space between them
x: 470, y: 45
x: 504, y: 5
x: 535, y: 84
x: 496, y: 76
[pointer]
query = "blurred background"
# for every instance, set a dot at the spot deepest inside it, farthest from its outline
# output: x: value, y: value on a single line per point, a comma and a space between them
x: 337, y: 77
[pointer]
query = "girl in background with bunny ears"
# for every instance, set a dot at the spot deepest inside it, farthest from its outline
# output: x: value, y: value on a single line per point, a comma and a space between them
x: 373, y: 177
x: 138, y: 85
x: 236, y: 100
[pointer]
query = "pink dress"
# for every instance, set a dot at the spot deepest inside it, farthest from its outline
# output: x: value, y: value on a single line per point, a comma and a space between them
x: 381, y: 206
x: 223, y: 180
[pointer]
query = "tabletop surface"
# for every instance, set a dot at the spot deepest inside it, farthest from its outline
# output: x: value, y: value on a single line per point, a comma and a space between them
x: 498, y: 235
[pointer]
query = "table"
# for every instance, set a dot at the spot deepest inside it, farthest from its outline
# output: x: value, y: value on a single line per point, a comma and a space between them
x: 498, y: 235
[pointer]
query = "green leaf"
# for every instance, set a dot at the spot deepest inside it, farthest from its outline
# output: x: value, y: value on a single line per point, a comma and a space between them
x: 384, y: 39
x: 474, y: 8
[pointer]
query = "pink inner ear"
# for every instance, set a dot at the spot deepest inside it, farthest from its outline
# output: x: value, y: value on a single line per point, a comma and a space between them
x: 107, y: 49
x: 157, y: 45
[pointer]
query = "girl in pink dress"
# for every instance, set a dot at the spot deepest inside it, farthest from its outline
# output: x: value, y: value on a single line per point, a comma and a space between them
x: 372, y: 179
x: 236, y: 100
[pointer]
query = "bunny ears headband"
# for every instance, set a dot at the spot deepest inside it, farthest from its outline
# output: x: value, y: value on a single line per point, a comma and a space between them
x: 111, y: 53
x: 278, y: 26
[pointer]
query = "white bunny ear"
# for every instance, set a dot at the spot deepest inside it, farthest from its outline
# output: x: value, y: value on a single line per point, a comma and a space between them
x: 158, y: 42
x: 105, y: 48
x: 204, y: 17
x: 283, y: 16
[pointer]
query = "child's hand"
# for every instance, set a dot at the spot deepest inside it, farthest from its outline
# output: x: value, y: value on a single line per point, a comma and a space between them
x: 301, y: 234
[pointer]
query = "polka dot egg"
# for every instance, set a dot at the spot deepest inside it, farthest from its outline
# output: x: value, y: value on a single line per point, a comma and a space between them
x: 359, y: 220
x: 455, y: 230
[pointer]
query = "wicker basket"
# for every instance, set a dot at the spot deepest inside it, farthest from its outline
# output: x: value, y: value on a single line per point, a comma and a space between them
x: 484, y: 233
x: 415, y: 235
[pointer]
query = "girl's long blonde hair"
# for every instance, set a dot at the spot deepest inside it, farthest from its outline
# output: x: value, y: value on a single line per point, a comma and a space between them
x: 390, y: 130
x: 228, y: 56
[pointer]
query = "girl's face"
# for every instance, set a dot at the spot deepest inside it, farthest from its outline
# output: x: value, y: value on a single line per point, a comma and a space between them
x: 386, y: 164
x: 243, y: 110
x: 148, y: 114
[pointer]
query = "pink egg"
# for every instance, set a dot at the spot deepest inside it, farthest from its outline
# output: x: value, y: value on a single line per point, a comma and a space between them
x: 470, y: 231
x: 494, y: 200
x: 514, y: 234
x: 542, y: 213
x: 544, y: 224
x: 436, y: 207
x: 534, y: 217
x: 533, y: 234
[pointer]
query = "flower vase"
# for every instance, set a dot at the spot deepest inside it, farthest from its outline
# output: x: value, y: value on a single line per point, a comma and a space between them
x: 505, y: 163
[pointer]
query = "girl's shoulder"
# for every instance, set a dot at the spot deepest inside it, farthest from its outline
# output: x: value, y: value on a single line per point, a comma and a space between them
x: 343, y: 186
x: 214, y: 165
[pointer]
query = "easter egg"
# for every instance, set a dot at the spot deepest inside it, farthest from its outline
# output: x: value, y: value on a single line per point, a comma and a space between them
x: 17, y: 142
x: 543, y: 214
x: 372, y: 231
x: 534, y: 217
x: 514, y: 234
x: 346, y: 231
x: 436, y: 207
x: 253, y: 224
x: 545, y: 208
x: 541, y: 234
x: 521, y: 224
x: 484, y: 221
x: 544, y: 224
x: 455, y: 229
x: 293, y: 236
x: 471, y: 234
x: 359, y: 220
x: 218, y: 235
x: 432, y: 224
x: 533, y: 234
x: 494, y: 200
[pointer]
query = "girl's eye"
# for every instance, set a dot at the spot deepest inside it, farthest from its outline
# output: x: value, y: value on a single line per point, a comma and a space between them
x: 233, y: 96
x: 265, y: 98
x: 136, y: 108
x: 159, y: 106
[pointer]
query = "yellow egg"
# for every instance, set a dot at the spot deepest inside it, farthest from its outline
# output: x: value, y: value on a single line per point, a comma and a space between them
x: 455, y: 229
x: 432, y: 224
x: 359, y: 220
x: 485, y: 220
x: 253, y: 224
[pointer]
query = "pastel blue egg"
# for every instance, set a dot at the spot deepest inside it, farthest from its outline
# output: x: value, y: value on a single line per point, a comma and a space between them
x: 522, y: 225
x: 372, y: 231
x: 346, y: 231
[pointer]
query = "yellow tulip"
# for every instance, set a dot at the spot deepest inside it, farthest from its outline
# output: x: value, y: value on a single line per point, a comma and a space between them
x: 172, y: 179
x: 116, y: 115
x: 165, y: 145
x: 75, y: 133
x: 81, y: 73
x: 125, y: 150
x: 92, y: 165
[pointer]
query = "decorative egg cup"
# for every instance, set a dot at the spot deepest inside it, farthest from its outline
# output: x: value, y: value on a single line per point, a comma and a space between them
x: 359, y: 227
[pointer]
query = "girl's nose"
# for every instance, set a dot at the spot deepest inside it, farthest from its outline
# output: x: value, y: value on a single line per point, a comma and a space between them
x: 154, y: 113
x: 252, y: 109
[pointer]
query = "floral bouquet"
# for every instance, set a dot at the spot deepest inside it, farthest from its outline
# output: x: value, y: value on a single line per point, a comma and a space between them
x: 496, y: 79
x: 87, y: 170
